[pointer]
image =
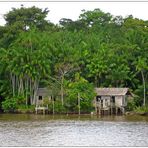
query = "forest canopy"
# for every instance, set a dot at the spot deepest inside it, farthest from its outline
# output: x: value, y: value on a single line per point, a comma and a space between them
x: 96, y: 50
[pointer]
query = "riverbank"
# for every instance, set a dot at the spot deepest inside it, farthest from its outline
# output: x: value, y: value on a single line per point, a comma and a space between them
x: 32, y: 111
x: 137, y: 113
x: 142, y: 111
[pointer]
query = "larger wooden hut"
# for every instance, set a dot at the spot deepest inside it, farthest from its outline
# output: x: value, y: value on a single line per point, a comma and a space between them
x: 111, y: 100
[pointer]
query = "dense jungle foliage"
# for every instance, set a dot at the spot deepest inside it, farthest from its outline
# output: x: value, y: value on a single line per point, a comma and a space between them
x: 71, y: 58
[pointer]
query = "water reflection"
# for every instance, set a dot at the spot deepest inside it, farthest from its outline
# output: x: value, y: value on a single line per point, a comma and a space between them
x: 46, y: 130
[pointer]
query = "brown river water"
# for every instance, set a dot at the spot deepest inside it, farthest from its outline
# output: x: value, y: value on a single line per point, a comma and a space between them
x: 72, y: 130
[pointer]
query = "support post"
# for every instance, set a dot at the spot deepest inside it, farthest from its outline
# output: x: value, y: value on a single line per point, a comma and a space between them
x: 36, y: 109
x: 43, y: 111
x: 79, y: 103
x: 53, y: 104
x: 123, y: 110
x: 116, y: 110
x: 99, y: 111
x: 111, y: 106
x: 96, y: 106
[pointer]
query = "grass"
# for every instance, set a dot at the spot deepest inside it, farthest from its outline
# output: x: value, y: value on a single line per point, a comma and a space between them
x: 141, y: 109
x: 26, y: 109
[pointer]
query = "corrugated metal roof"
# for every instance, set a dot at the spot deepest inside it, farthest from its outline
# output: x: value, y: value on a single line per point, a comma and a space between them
x: 44, y: 92
x: 111, y: 91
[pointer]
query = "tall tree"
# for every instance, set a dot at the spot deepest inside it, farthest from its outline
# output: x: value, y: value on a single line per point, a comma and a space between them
x: 22, y: 19
x: 29, y: 62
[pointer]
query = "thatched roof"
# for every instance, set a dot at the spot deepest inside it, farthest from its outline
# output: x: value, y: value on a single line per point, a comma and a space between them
x: 111, y: 91
x: 44, y: 92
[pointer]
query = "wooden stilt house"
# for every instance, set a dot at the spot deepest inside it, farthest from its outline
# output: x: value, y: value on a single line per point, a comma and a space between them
x: 111, y: 100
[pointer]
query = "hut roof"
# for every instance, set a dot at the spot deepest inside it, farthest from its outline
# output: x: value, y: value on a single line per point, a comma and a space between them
x: 111, y: 91
x: 44, y: 92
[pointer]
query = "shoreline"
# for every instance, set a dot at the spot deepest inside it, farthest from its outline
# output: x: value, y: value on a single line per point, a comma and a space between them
x: 137, y: 113
x: 128, y: 113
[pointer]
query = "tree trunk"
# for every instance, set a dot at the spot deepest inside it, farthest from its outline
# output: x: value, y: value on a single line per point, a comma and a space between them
x: 35, y: 91
x: 13, y: 83
x: 31, y: 93
x: 26, y: 88
x: 21, y: 87
x: 16, y: 83
x: 62, y: 90
x: 96, y: 81
x: 143, y: 79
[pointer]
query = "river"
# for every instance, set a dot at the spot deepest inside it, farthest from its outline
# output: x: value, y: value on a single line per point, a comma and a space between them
x: 72, y: 130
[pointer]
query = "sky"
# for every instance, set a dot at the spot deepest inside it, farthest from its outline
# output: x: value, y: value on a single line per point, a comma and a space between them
x: 72, y: 10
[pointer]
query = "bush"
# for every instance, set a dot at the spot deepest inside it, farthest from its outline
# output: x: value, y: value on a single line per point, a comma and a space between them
x: 86, y: 106
x: 9, y: 104
x: 130, y: 105
x: 141, y: 109
x: 46, y: 101
x: 50, y: 107
x: 26, y: 109
x: 71, y: 104
x: 59, y: 108
x: 12, y: 104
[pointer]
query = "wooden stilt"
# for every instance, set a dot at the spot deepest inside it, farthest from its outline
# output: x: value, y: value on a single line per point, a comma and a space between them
x: 116, y: 110
x: 36, y: 110
x: 123, y: 110
x: 96, y: 108
x: 111, y: 110
x: 99, y: 111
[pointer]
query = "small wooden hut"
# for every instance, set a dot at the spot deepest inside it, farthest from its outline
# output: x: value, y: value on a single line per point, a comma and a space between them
x: 42, y: 94
x: 111, y: 100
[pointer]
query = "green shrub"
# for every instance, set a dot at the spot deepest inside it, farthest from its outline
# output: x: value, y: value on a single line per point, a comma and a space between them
x: 9, y: 104
x: 20, y: 100
x: 46, y: 101
x: 59, y: 108
x: 141, y: 109
x: 25, y: 108
x: 86, y: 105
x: 130, y: 105
x: 50, y: 107
x: 12, y: 104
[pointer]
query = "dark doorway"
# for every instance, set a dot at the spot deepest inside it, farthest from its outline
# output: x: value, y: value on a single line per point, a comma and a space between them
x: 113, y: 99
x: 102, y: 103
x: 98, y: 98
